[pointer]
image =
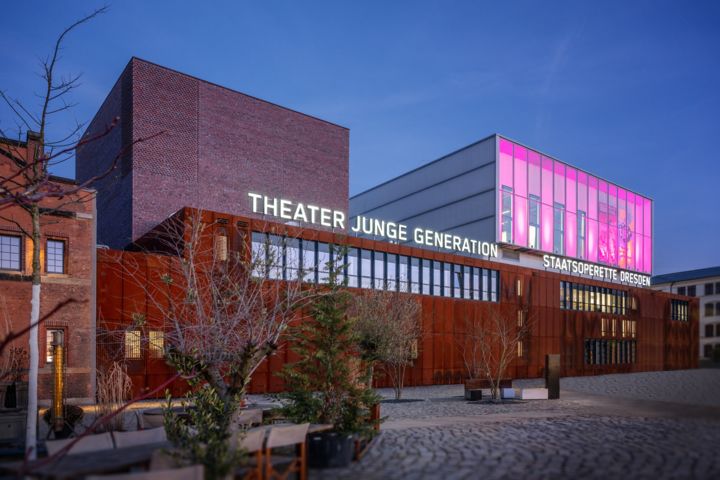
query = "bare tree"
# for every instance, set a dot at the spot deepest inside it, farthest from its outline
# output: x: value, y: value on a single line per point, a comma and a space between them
x: 489, y: 344
x: 223, y: 312
x: 387, y: 328
x: 29, y: 185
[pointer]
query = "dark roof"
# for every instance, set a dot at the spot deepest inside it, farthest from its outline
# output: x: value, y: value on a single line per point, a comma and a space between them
x: 687, y: 275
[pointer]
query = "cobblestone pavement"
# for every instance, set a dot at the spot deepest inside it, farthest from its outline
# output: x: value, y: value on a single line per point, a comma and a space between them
x: 697, y: 387
x: 583, y: 435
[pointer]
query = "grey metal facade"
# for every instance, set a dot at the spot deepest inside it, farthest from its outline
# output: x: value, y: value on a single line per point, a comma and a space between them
x: 454, y: 194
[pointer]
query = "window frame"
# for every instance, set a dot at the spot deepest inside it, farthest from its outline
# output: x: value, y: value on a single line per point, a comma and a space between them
x: 558, y: 228
x: 64, y: 243
x: 506, y: 218
x: 139, y: 333
x: 21, y: 257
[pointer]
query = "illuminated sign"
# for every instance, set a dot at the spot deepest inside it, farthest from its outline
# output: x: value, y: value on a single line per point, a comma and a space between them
x: 296, y: 211
x: 597, y: 271
x: 326, y: 217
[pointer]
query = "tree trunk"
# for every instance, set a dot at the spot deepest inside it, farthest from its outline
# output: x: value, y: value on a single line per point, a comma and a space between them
x: 34, y: 357
x: 398, y: 383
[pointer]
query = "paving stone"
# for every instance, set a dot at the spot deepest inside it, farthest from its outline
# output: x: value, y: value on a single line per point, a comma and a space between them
x: 445, y: 437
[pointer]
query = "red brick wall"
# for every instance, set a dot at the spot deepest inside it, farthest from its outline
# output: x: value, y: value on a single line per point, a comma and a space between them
x: 78, y: 231
x: 218, y: 145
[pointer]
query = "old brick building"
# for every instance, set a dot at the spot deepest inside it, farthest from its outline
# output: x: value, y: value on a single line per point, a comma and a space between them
x: 217, y: 145
x: 68, y: 272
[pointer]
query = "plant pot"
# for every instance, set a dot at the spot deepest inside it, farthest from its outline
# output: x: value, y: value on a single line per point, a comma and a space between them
x: 330, y: 449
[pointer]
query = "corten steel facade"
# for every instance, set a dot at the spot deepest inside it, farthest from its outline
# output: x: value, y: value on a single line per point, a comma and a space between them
x: 217, y: 144
x: 68, y: 273
x: 499, y: 190
x: 589, y: 342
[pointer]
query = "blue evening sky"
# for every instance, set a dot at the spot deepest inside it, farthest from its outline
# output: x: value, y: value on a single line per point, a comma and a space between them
x: 629, y: 91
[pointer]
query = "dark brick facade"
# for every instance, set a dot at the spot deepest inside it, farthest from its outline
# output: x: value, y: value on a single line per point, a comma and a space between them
x: 218, y: 145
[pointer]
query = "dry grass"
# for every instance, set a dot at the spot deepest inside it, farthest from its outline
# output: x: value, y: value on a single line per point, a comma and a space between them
x: 113, y: 390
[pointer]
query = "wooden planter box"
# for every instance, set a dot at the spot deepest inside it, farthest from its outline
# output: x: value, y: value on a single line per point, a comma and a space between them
x: 483, y: 384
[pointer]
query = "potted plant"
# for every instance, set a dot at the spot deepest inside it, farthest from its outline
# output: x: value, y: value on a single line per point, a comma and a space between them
x: 326, y: 385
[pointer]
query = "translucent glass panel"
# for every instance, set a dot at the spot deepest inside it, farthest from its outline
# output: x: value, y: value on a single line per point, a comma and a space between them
x: 546, y: 205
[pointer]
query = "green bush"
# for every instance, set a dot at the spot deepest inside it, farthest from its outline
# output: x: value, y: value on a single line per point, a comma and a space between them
x: 326, y: 385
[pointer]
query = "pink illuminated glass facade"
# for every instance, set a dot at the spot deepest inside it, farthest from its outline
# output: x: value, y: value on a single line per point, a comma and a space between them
x: 546, y: 205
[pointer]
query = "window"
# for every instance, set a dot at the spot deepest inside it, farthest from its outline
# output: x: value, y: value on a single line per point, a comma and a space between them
x: 352, y: 267
x: 292, y: 258
x: 691, y: 291
x: 709, y: 289
x: 717, y: 288
x: 709, y: 331
x: 520, y: 349
x: 437, y: 278
x: 494, y: 287
x: 457, y: 277
x: 707, y: 351
x: 132, y: 345
x: 324, y: 262
x: 559, y: 229
x: 309, y: 260
x: 467, y: 282
x: 275, y: 257
x: 609, y: 352
x: 682, y: 291
x: 259, y: 260
x: 50, y: 340
x: 581, y: 234
x: 709, y: 309
x: 679, y: 310
x: 408, y: 275
x: 426, y: 279
x: 506, y: 232
x: 446, y: 280
x: 476, y: 286
x: 379, y: 270
x: 221, y: 248
x: 10, y: 252
x: 156, y: 343
x: 603, y: 327
x: 534, y: 232
x: 391, y: 271
x: 366, y: 269
x: 55, y: 256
